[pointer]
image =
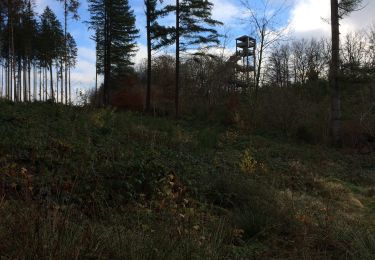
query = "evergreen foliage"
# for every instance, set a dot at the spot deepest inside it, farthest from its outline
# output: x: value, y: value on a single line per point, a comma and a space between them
x: 30, y: 46
x: 197, y: 27
x: 114, y: 24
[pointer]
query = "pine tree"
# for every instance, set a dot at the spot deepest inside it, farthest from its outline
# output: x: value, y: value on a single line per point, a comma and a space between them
x: 51, y: 42
x: 28, y: 34
x: 70, y: 6
x: 114, y: 24
x: 194, y: 27
x: 2, y: 60
x: 158, y: 36
x: 338, y: 11
x: 72, y: 53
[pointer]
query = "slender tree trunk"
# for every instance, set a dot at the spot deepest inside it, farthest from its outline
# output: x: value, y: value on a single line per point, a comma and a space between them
x: 107, y: 55
x: 106, y: 70
x: 334, y: 75
x: 25, y: 96
x: 2, y: 80
x: 65, y: 50
x: 259, y: 68
x: 62, y: 80
x: 51, y: 83
x: 8, y: 79
x: 29, y: 78
x: 45, y: 84
x: 96, y: 81
x: 13, y: 62
x: 70, y: 87
x: 109, y: 62
x: 57, y: 82
x: 19, y: 80
x: 35, y: 82
x: 177, y: 90
x: 40, y: 84
x: 149, y: 57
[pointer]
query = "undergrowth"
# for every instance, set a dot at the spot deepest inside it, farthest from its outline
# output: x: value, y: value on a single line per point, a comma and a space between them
x: 83, y: 183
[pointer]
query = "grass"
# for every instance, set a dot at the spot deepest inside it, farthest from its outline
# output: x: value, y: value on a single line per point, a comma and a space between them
x: 95, y: 183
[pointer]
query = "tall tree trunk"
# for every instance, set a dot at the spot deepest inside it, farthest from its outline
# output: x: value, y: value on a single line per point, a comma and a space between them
x: 62, y: 80
x: 25, y: 97
x: 106, y: 52
x: 51, y: 83
x: 40, y: 84
x: 45, y: 84
x: 8, y: 79
x: 57, y: 82
x: 334, y: 76
x: 1, y: 80
x: 177, y: 90
x: 70, y: 87
x: 65, y: 50
x: 260, y: 63
x: 149, y: 57
x: 35, y: 82
x: 13, y: 61
x: 19, y: 78
x: 29, y: 77
x: 96, y: 81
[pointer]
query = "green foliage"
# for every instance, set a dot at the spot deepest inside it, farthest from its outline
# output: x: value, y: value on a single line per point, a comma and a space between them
x: 51, y: 37
x: 197, y: 27
x: 80, y: 183
x: 114, y: 25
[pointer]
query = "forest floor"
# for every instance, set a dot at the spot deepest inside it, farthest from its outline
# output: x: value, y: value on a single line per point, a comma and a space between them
x: 95, y: 183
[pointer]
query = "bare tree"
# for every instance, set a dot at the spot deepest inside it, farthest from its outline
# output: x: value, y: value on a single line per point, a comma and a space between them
x: 278, y: 71
x: 264, y: 18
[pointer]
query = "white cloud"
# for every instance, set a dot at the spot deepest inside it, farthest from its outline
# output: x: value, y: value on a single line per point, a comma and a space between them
x: 307, y: 17
x: 225, y: 11
x: 310, y: 18
x: 83, y: 76
x: 141, y: 54
x: 40, y: 5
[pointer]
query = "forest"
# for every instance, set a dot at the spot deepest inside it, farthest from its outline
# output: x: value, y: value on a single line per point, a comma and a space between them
x: 257, y: 147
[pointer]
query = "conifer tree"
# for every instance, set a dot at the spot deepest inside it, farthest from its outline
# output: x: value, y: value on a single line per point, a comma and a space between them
x: 70, y: 6
x: 2, y: 60
x: 339, y: 9
x: 194, y: 27
x: 28, y: 33
x: 114, y: 24
x: 158, y: 36
x: 72, y: 53
x: 51, y: 42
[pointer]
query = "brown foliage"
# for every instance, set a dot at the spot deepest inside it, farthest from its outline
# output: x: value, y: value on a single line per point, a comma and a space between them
x: 132, y: 96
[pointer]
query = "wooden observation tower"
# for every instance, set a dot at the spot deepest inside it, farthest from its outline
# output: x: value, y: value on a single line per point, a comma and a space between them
x: 245, y: 52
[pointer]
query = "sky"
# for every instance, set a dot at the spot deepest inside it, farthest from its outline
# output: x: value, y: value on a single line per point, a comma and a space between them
x: 304, y: 18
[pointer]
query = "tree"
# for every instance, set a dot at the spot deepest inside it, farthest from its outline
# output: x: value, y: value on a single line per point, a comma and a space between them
x: 158, y: 36
x: 70, y: 6
x: 51, y: 41
x: 29, y: 33
x: 150, y: 9
x: 194, y: 27
x: 72, y: 53
x: 338, y: 11
x: 279, y: 71
x: 264, y: 19
x: 114, y: 24
x: 2, y: 63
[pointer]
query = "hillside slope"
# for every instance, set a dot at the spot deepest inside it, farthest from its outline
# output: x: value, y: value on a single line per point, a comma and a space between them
x: 84, y: 183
